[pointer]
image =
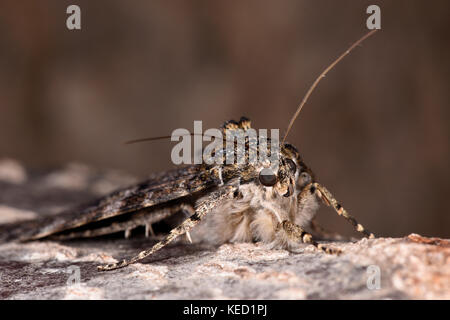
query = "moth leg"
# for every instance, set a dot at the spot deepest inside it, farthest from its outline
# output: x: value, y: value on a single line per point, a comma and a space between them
x: 328, y: 199
x: 205, y: 205
x: 149, y: 230
x: 188, y: 237
x: 296, y: 233
x: 189, y: 210
x: 146, y: 218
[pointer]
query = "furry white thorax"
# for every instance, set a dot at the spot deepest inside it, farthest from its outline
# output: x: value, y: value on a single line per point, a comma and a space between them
x: 255, y: 215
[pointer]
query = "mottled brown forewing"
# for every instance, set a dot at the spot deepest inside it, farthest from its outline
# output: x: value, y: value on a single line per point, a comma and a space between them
x: 159, y: 189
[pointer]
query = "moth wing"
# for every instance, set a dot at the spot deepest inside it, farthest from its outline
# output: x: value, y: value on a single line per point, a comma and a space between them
x: 157, y: 190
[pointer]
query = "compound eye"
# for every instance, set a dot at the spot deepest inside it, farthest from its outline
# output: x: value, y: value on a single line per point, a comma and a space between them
x: 291, y: 165
x: 267, y: 177
x: 306, y: 178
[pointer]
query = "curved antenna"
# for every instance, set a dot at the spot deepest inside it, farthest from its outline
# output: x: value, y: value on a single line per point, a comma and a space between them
x: 322, y: 75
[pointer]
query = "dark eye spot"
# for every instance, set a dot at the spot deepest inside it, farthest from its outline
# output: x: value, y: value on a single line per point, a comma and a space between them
x: 267, y: 177
x: 291, y: 165
x: 306, y: 178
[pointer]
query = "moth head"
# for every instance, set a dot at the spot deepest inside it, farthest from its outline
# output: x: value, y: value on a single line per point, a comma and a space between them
x: 291, y: 174
x: 288, y: 175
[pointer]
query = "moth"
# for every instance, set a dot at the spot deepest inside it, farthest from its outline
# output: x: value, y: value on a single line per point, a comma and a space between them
x: 243, y: 202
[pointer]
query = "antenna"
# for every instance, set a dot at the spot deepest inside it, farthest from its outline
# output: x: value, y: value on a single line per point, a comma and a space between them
x: 322, y: 75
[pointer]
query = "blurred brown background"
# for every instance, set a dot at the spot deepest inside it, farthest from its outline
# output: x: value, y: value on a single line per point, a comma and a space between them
x: 375, y: 131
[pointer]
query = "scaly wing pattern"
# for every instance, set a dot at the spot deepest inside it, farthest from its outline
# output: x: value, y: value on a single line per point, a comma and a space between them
x: 158, y: 190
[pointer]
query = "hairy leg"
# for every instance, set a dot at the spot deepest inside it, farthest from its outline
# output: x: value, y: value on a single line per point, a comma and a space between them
x: 205, y: 205
x: 328, y: 199
x: 297, y: 233
x: 145, y: 218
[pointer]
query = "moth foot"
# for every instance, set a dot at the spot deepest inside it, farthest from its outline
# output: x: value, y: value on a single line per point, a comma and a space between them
x: 113, y: 266
x: 329, y: 250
